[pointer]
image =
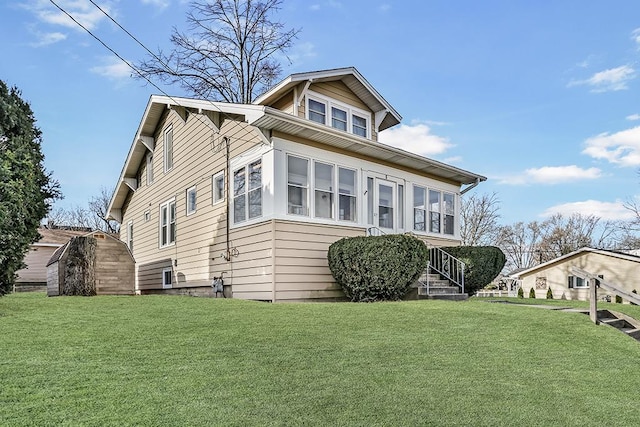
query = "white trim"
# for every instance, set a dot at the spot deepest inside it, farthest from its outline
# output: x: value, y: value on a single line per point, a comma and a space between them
x: 330, y: 104
x: 149, y: 161
x: 167, y: 203
x: 130, y: 235
x: 164, y: 283
x: 214, y: 178
x: 189, y: 209
x: 168, y: 129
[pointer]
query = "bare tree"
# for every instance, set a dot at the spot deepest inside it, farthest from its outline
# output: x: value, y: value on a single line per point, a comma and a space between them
x: 229, y: 52
x: 99, y: 209
x: 91, y: 217
x: 563, y: 235
x: 519, y: 242
x: 479, y: 219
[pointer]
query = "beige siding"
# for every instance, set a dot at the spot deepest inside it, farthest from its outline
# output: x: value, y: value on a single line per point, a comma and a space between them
x: 36, y: 260
x: 301, y: 266
x: 198, y: 154
x: 53, y: 280
x: 285, y: 103
x: 115, y: 268
x: 620, y: 272
x: 340, y: 92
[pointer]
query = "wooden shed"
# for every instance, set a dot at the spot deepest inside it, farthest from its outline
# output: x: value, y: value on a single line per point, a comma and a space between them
x: 107, y: 269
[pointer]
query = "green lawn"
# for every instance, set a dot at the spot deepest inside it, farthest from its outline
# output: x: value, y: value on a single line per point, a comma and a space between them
x: 159, y: 360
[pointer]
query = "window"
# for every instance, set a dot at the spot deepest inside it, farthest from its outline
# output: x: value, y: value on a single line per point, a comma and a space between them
x: 449, y: 209
x: 370, y: 201
x: 317, y: 111
x: 247, y: 199
x: 297, y: 185
x: 167, y: 278
x: 147, y: 215
x: 577, y: 282
x: 323, y: 187
x: 343, y: 117
x: 347, y: 194
x: 218, y: 187
x: 385, y: 205
x: 434, y: 211
x: 168, y: 149
x: 168, y: 223
x: 359, y: 125
x: 338, y: 118
x: 130, y: 235
x: 149, y: 168
x: 191, y: 200
x: 419, y: 208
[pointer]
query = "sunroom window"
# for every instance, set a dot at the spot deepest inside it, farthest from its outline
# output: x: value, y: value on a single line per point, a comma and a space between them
x: 347, y: 194
x: 297, y: 185
x: 247, y: 192
x: 419, y: 208
x: 434, y: 211
x: 449, y: 213
x: 323, y: 190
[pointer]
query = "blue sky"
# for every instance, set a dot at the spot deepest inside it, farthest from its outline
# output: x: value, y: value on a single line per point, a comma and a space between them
x: 541, y: 97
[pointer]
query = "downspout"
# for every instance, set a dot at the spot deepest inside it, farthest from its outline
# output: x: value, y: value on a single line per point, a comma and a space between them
x: 227, y: 254
x: 472, y: 186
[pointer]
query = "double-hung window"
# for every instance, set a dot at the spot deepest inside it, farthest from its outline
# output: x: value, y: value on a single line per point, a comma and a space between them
x: 317, y: 111
x: 191, y: 200
x: 297, y: 185
x: 577, y: 282
x: 218, y: 187
x: 149, y: 168
x: 347, y: 194
x: 247, y: 192
x: 434, y: 211
x: 130, y: 235
x: 448, y: 212
x: 168, y: 148
x: 323, y: 187
x: 168, y: 223
x: 419, y: 208
x: 338, y: 118
x: 359, y: 125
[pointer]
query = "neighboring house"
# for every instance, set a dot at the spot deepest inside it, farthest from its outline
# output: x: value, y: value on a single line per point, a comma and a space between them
x: 112, y: 269
x: 616, y: 268
x: 34, y: 275
x: 257, y: 193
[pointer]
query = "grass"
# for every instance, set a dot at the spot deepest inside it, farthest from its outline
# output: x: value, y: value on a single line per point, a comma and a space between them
x: 159, y: 360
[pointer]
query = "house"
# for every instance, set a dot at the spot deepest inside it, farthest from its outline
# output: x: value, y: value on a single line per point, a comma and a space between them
x: 34, y: 275
x: 620, y: 269
x: 112, y: 266
x: 256, y: 193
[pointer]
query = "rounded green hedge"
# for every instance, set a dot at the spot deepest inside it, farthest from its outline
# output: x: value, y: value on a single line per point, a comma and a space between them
x: 482, y: 265
x: 377, y: 268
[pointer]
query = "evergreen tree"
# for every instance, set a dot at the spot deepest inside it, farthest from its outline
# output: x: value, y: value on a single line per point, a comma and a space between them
x: 26, y: 188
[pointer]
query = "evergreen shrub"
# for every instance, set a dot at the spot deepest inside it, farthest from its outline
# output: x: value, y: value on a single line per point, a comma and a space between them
x: 482, y: 265
x: 549, y: 294
x: 520, y: 292
x: 532, y: 293
x: 377, y: 268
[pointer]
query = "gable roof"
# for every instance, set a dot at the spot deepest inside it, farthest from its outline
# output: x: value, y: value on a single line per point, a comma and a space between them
x: 57, y: 254
x: 351, y: 78
x: 581, y: 251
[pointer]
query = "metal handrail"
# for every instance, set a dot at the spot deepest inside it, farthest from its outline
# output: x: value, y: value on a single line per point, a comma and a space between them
x: 446, y: 265
x: 375, y: 231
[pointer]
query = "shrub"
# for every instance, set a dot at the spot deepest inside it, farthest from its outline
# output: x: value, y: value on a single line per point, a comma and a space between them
x: 618, y: 299
x: 482, y: 265
x: 549, y: 294
x: 634, y: 292
x: 520, y: 292
x: 532, y: 293
x: 377, y: 268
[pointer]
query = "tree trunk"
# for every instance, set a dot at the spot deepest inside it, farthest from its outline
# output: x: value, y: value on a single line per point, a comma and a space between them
x: 79, y: 268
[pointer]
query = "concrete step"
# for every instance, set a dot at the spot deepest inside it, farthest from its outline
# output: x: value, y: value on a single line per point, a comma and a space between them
x: 438, y: 290
x: 633, y: 333
x: 616, y: 323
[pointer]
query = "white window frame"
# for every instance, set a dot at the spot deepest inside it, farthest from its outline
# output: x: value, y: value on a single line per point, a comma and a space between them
x: 168, y: 154
x: 442, y: 211
x: 167, y: 233
x: 166, y: 285
x: 354, y: 195
x: 191, y: 209
x: 147, y: 215
x: 306, y: 203
x: 214, y: 188
x: 130, y: 235
x: 351, y: 111
x: 245, y: 194
x: 149, y: 168
x: 574, y: 280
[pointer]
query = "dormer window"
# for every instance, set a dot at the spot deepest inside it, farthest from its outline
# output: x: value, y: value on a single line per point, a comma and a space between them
x: 341, y: 116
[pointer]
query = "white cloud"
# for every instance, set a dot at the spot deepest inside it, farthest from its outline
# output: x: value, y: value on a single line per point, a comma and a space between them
x: 385, y: 7
x: 613, y: 79
x: 621, y: 148
x: 633, y: 117
x: 113, y: 69
x: 46, y: 39
x: 608, y: 211
x: 635, y: 36
x: 82, y: 10
x: 157, y: 3
x: 301, y: 51
x: 416, y: 139
x: 552, y: 175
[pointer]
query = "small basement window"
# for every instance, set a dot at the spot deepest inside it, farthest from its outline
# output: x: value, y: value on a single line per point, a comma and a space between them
x: 167, y: 278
